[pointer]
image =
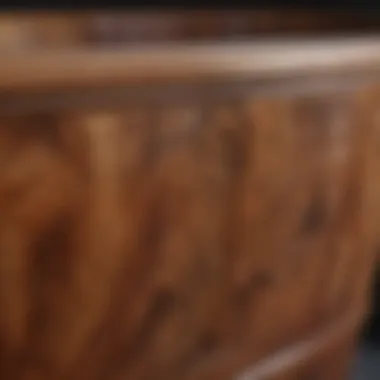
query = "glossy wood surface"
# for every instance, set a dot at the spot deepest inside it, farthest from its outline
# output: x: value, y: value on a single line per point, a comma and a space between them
x: 193, y: 63
x: 177, y: 229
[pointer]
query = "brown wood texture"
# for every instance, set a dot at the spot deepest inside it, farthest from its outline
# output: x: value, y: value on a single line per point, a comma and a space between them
x: 191, y: 233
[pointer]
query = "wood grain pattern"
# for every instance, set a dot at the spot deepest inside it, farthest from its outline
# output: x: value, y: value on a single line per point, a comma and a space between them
x: 191, y: 236
x: 155, y: 244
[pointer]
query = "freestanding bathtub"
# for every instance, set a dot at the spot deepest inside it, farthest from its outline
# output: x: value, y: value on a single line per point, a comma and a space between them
x: 184, y: 210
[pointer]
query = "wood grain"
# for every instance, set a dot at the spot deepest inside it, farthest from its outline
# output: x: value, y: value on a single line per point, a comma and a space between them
x: 197, y: 239
x: 139, y: 244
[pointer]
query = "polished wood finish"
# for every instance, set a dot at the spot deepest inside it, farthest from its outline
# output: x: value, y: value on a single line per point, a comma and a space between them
x: 274, y: 60
x: 205, y: 213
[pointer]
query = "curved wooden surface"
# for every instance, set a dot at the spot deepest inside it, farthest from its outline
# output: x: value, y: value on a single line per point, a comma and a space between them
x: 186, y: 237
x: 189, y: 62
